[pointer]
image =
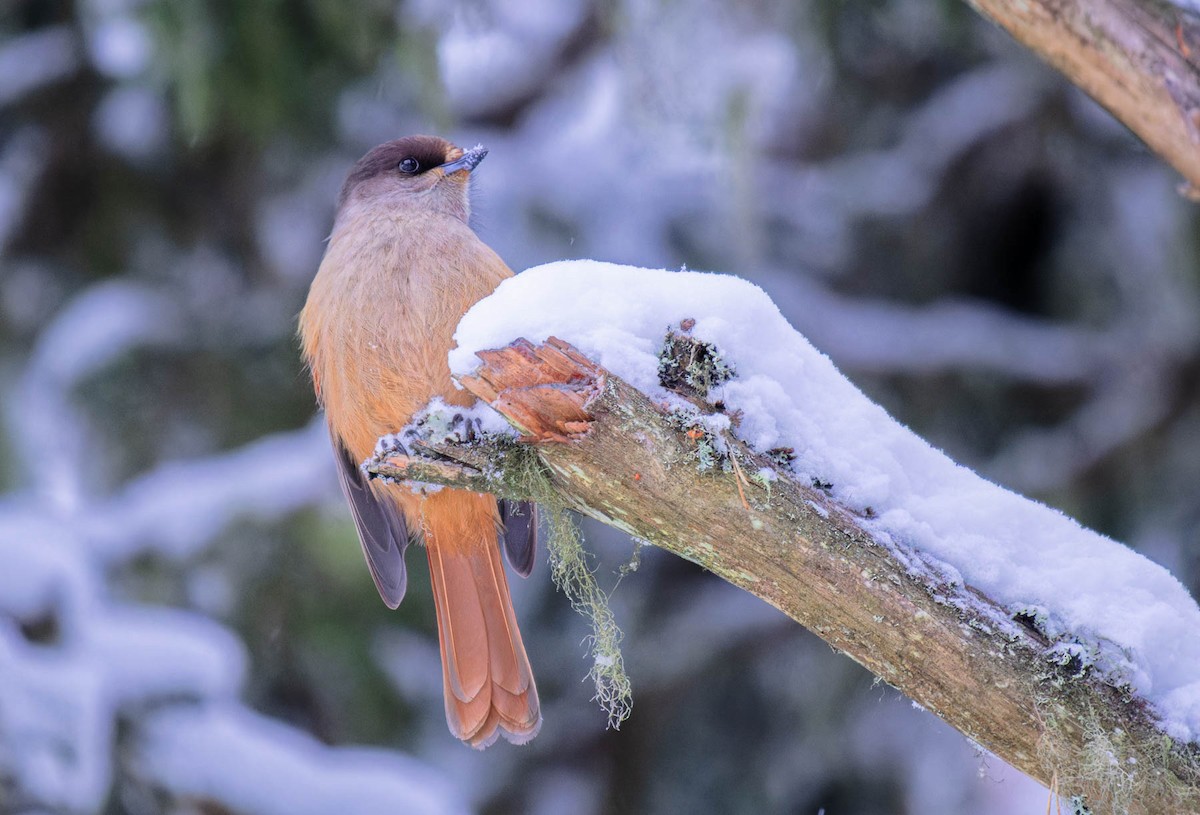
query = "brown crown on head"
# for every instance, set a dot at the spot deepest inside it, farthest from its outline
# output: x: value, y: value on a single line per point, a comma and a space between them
x: 429, y: 151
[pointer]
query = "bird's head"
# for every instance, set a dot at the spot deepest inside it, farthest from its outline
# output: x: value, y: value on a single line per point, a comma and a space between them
x: 426, y: 172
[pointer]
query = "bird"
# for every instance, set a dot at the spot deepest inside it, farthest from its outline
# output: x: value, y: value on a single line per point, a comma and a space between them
x: 401, y: 267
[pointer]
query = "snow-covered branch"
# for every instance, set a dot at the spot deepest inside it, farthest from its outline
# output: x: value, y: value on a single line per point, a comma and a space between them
x: 736, y: 445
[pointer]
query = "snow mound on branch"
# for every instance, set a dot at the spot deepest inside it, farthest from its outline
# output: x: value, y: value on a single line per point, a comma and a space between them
x: 1113, y: 608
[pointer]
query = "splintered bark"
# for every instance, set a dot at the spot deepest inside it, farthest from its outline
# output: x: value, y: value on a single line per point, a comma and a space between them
x: 1138, y: 58
x: 612, y: 453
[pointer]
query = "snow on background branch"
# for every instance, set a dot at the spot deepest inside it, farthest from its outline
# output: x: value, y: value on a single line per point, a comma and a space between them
x: 79, y: 663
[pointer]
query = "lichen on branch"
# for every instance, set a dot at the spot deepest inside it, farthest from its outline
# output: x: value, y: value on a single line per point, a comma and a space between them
x: 441, y: 445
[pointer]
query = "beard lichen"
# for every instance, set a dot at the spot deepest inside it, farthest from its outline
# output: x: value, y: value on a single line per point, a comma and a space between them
x: 525, y: 476
x: 1112, y: 770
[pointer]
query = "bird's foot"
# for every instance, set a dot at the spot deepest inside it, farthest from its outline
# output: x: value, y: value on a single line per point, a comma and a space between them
x: 388, y: 446
x: 464, y: 429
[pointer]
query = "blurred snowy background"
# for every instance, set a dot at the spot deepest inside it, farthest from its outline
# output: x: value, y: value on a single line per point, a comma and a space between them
x: 186, y: 624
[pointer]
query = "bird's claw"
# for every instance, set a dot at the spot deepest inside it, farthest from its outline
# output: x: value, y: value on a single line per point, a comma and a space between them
x: 390, y: 445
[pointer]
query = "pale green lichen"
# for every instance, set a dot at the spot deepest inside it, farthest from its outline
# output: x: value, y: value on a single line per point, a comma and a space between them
x: 572, y: 574
x: 689, y: 365
x: 635, y: 557
x: 707, y: 450
x: 1116, y: 770
x: 764, y: 477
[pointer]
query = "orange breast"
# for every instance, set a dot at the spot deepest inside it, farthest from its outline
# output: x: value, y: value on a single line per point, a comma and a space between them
x: 381, y: 316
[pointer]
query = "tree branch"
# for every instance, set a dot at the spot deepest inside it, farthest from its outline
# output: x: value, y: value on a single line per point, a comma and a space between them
x: 1138, y: 58
x: 659, y: 475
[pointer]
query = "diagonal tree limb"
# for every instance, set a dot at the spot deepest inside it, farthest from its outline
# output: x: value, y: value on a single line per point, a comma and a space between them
x: 1140, y: 59
x: 615, y: 455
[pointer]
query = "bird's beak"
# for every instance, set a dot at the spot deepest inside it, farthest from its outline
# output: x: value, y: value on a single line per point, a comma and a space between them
x: 467, y: 161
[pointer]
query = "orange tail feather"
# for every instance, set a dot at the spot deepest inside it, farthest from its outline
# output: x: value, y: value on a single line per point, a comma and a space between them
x: 488, y: 683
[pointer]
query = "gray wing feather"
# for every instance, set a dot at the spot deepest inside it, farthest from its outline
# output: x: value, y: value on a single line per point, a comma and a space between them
x: 381, y: 529
x: 520, y: 519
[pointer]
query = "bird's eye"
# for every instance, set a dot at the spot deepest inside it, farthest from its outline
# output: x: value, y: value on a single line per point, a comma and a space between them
x: 410, y: 166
